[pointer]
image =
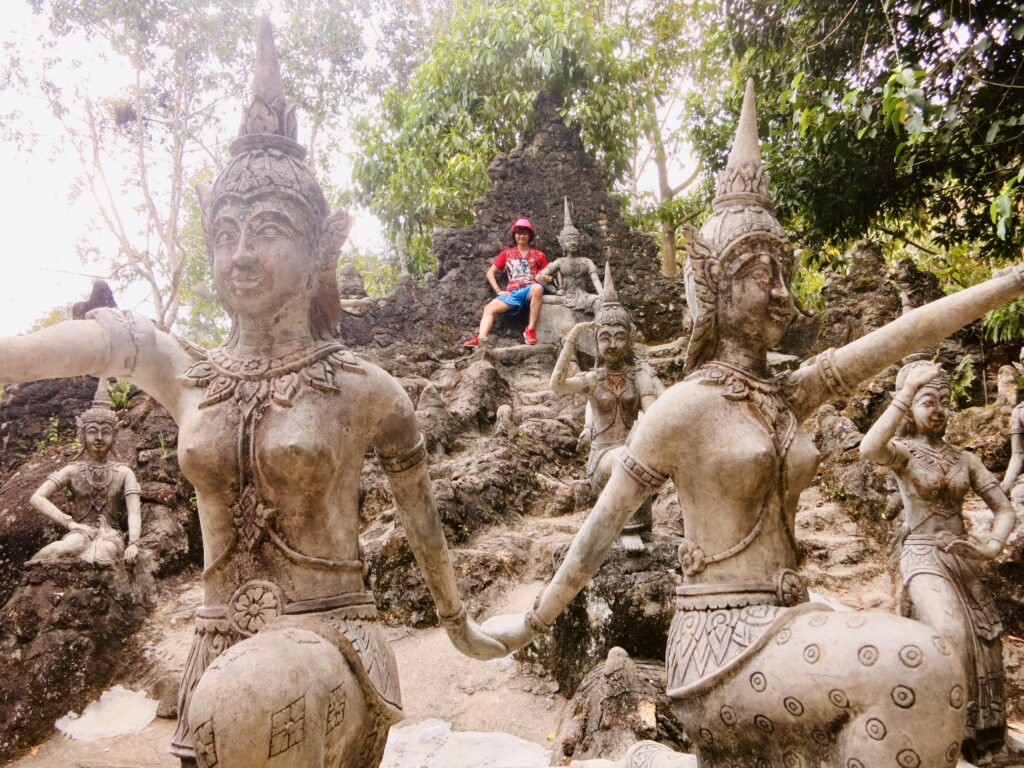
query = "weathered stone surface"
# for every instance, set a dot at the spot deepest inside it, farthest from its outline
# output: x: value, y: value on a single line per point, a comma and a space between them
x: 984, y: 431
x: 629, y: 603
x: 61, y: 634
x: 620, y: 701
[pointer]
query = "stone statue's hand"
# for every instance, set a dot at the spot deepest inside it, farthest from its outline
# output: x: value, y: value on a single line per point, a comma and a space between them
x: 130, y: 553
x: 509, y: 629
x: 583, y: 441
x: 921, y: 376
x: 469, y: 638
x: 80, y: 528
x: 974, y: 550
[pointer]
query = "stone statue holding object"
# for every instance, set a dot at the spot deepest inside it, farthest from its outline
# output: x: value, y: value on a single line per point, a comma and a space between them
x: 758, y: 675
x: 102, y: 495
x: 937, y: 555
x: 617, y: 392
x: 287, y: 665
x: 571, y: 272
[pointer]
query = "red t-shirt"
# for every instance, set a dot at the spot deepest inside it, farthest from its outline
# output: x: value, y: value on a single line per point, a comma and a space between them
x: 521, y: 270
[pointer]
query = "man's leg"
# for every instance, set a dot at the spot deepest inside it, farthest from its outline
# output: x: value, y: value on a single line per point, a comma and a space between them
x: 494, y: 307
x: 536, y: 299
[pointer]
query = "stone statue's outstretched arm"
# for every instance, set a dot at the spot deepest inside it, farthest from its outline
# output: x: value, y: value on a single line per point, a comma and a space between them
x: 110, y: 342
x: 403, y: 458
x: 133, y: 502
x: 40, y: 501
x: 835, y: 373
x: 1016, y: 449
x: 561, y: 382
x: 595, y: 278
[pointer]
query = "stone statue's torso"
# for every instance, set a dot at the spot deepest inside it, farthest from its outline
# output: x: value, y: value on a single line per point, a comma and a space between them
x: 933, y: 485
x: 96, y: 492
x: 615, y: 404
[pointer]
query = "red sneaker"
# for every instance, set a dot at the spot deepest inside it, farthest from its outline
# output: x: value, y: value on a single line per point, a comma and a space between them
x: 530, y: 334
x: 472, y: 342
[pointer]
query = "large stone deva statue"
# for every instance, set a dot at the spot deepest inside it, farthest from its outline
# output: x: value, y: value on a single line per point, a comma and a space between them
x: 758, y: 675
x: 617, y: 392
x: 103, y: 496
x: 288, y: 666
x: 936, y: 560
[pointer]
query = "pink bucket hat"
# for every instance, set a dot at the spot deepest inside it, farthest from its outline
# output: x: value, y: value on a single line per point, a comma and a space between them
x: 524, y: 224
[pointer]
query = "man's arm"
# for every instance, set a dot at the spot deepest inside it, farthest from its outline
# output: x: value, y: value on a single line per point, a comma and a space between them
x: 492, y: 278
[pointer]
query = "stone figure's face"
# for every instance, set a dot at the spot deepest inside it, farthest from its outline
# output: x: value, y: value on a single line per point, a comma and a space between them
x: 569, y: 241
x: 930, y: 409
x: 98, y: 438
x: 612, y: 344
x: 755, y: 301
x: 262, y: 256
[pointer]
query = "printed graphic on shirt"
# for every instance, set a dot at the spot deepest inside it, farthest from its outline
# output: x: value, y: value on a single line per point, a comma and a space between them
x: 521, y: 270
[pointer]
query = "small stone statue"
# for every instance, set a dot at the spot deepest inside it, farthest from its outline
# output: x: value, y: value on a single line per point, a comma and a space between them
x: 1013, y: 480
x: 288, y: 666
x: 102, y: 494
x: 617, y: 393
x: 571, y: 271
x: 757, y: 673
x: 940, y: 581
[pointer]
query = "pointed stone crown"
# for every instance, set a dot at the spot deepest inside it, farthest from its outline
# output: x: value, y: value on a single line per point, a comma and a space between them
x: 742, y: 206
x: 567, y: 225
x: 611, y: 312
x: 101, y: 410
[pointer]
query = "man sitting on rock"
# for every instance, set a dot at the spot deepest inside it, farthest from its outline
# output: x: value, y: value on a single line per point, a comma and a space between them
x: 522, y: 264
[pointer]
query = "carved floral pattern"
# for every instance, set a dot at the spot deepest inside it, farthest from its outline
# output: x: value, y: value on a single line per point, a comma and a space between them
x: 254, y: 605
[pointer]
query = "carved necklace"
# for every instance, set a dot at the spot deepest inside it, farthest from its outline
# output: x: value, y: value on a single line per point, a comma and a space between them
x: 254, y: 383
x: 98, y: 477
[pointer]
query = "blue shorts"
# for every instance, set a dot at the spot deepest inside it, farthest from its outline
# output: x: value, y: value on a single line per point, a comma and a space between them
x: 518, y: 299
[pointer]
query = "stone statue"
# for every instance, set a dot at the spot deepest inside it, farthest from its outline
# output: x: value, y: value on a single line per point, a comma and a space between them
x: 571, y: 271
x: 617, y: 392
x: 288, y: 665
x: 102, y: 494
x: 758, y: 675
x: 941, y: 584
x: 1012, y: 480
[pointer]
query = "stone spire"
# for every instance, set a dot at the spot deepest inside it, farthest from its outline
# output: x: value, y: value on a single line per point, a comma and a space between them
x: 744, y: 181
x: 609, y: 295
x: 611, y: 312
x: 268, y: 115
x: 567, y: 225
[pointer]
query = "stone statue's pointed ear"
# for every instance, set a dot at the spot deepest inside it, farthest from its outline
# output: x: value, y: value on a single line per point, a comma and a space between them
x: 333, y: 236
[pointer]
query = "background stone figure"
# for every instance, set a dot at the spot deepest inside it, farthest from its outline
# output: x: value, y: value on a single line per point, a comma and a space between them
x: 747, y: 653
x: 943, y: 589
x: 103, y: 496
x: 571, y: 271
x: 617, y: 392
x: 287, y: 666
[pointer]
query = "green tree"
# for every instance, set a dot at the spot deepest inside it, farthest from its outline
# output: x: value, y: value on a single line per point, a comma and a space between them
x: 424, y: 156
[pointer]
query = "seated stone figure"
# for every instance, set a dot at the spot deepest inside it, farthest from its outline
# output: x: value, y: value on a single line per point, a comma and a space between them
x: 617, y: 393
x: 102, y: 496
x: 758, y: 675
x: 288, y: 666
x: 571, y: 271
x: 937, y: 557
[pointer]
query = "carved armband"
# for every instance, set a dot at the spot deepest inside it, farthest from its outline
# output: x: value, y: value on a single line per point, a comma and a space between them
x: 831, y: 375
x: 456, y: 620
x: 986, y: 487
x: 397, y: 465
x: 533, y: 621
x: 124, y: 331
x: 642, y: 473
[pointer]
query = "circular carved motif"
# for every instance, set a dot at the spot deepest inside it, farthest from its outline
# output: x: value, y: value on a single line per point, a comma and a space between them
x: 764, y: 723
x: 821, y: 737
x: 911, y: 656
x: 908, y: 758
x: 956, y: 697
x: 728, y: 715
x: 867, y: 655
x: 941, y: 646
x: 762, y: 762
x: 792, y: 760
x: 707, y: 736
x: 812, y: 653
x: 875, y: 729
x: 818, y: 620
x: 758, y: 682
x: 783, y: 637
x: 903, y: 697
x: 952, y: 752
x: 793, y: 706
x: 790, y: 588
x: 853, y: 762
x: 838, y: 698
x: 856, y: 621
x: 253, y: 606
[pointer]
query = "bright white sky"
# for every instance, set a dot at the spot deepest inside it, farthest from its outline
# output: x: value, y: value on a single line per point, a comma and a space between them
x: 43, y: 225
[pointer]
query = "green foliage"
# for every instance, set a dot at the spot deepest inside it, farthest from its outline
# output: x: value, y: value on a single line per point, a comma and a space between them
x: 56, y: 315
x: 119, y: 392
x: 960, y: 381
x: 424, y: 157
x: 52, y: 436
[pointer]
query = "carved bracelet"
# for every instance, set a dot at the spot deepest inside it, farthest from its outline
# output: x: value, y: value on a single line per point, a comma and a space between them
x: 456, y: 620
x: 900, y: 405
x: 533, y: 622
